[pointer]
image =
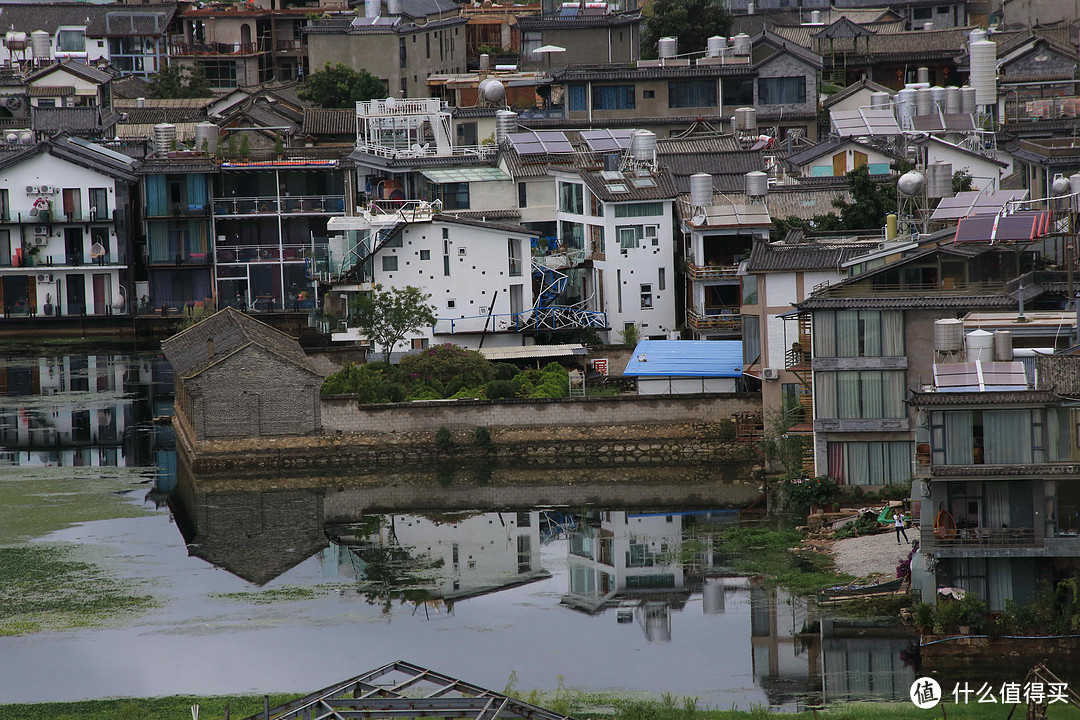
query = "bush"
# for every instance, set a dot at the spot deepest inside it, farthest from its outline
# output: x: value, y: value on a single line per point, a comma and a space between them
x: 443, y: 439
x: 369, y: 385
x: 801, y: 493
x: 467, y: 394
x: 499, y: 390
x: 425, y: 392
x: 551, y: 382
x: 445, y: 363
x: 505, y: 371
x: 482, y: 437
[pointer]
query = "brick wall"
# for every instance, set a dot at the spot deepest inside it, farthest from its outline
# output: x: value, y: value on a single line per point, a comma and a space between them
x: 341, y: 413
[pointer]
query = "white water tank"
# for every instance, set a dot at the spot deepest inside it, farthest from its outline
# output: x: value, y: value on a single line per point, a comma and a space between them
x: 393, y: 8
x: 506, y: 122
x: 952, y: 100
x: 948, y: 335
x: 911, y: 183
x: 756, y: 183
x: 716, y: 45
x: 1003, y: 350
x: 922, y: 75
x: 939, y: 180
x: 976, y: 35
x: 937, y: 93
x: 643, y: 145
x: 372, y: 8
x: 815, y: 17
x: 984, y: 72
x: 924, y: 101
x: 926, y: 26
x: 979, y: 345
x: 209, y: 133
x: 491, y: 90
x: 880, y: 99
x: 485, y: 62
x: 749, y: 8
x: 26, y: 137
x: 740, y: 44
x: 668, y: 47
x: 15, y: 41
x: 746, y: 118
x: 967, y: 100
x: 41, y: 44
x: 1074, y: 183
x: 1060, y: 186
x: 700, y: 190
x: 713, y: 595
x: 164, y: 137
x: 905, y: 103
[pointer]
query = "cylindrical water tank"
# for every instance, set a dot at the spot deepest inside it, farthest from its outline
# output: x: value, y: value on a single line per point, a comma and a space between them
x: 713, y: 596
x: 1060, y: 186
x: 948, y: 335
x: 967, y: 100
x: 756, y: 183
x: 939, y: 180
x: 952, y: 100
x: 1074, y: 183
x: 41, y: 44
x: 891, y: 221
x: 485, y: 62
x: 206, y: 132
x: 11, y: 138
x: 668, y: 47
x: 372, y: 8
x: 164, y: 136
x: 741, y: 44
x: 979, y: 345
x: 643, y: 145
x: 911, y: 183
x: 905, y: 103
x: 746, y: 118
x: 815, y: 17
x: 749, y: 8
x: 1003, y: 346
x: 937, y: 94
x: 700, y: 190
x: 976, y: 35
x: 15, y: 41
x: 393, y: 8
x: 716, y: 45
x: 140, y: 102
x: 924, y: 101
x: 984, y: 72
x: 491, y: 90
x: 880, y: 99
x: 506, y: 122
x: 26, y: 137
x: 922, y: 75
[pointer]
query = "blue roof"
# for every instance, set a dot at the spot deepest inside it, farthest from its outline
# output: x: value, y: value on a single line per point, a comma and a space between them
x: 686, y: 358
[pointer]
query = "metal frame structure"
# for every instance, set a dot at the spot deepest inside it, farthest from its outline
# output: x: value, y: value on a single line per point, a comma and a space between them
x: 404, y: 690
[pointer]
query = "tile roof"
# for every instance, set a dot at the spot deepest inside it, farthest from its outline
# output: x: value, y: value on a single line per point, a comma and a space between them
x: 77, y: 120
x: 663, y: 187
x: 329, y: 121
x: 697, y: 144
x: 799, y: 201
x: 929, y: 399
x: 776, y: 257
x: 51, y: 90
x: 824, y: 148
x: 131, y: 86
x: 81, y: 69
x: 727, y: 168
x: 850, y: 90
x: 155, y: 115
x: 50, y: 16
x: 534, y: 22
x: 914, y: 302
x: 462, y: 219
x: 177, y: 165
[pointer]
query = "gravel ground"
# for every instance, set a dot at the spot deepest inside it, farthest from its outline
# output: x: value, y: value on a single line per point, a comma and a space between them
x: 872, y: 554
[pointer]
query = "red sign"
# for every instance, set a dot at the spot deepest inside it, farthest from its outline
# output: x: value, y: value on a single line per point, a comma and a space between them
x: 600, y: 366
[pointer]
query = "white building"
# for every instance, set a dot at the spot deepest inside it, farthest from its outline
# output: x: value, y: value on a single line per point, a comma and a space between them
x: 64, y: 229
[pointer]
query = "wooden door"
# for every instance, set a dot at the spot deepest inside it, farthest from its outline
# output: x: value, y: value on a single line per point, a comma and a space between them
x: 860, y: 160
x: 839, y: 164
x: 102, y: 293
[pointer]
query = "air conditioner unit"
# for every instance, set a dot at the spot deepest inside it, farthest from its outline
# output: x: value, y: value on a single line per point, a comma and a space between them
x: 32, y: 189
x: 47, y: 189
x: 41, y: 240
x: 41, y: 229
x: 770, y: 374
x: 44, y: 277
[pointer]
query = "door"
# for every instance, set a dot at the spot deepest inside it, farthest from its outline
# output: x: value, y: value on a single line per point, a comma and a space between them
x: 73, y: 203
x: 860, y: 160
x: 839, y: 164
x: 73, y: 246
x: 102, y: 293
x: 76, y: 293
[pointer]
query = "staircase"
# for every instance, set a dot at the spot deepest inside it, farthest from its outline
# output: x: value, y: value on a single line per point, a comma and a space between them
x: 359, y: 254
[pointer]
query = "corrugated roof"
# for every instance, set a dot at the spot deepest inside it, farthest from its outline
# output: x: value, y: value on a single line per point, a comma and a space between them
x: 686, y: 358
x: 527, y: 352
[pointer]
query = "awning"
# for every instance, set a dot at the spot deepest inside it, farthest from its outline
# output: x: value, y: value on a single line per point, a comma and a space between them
x: 528, y: 352
x: 476, y: 174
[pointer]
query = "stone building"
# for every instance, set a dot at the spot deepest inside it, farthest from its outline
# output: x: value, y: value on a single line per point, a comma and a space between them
x: 238, y: 377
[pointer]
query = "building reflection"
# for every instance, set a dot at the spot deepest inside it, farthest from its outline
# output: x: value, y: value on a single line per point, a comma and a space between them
x: 785, y: 644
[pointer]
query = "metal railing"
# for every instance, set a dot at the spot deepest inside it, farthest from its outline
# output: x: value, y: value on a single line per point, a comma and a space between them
x: 262, y: 253
x: 549, y: 318
x: 715, y: 319
x: 943, y: 288
x: 179, y: 210
x: 298, y: 205
x: 711, y: 272
x: 998, y: 537
x: 289, y: 45
x: 215, y: 48
x: 426, y: 150
x: 181, y: 258
x: 65, y: 259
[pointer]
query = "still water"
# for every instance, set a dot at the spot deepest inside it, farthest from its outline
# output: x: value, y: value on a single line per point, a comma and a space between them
x: 292, y: 588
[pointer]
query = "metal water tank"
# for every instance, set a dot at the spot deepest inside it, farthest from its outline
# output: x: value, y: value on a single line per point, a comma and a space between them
x: 164, y: 137
x: 26, y: 137
x: 979, y: 346
x: 41, y: 44
x: 717, y: 44
x: 643, y: 145
x: 12, y: 138
x: 924, y: 101
x: 756, y: 183
x: 948, y: 335
x: 984, y: 72
x: 815, y: 17
x: 372, y: 8
x: 880, y: 99
x: 491, y: 90
x: 668, y: 47
x: 905, y: 103
x: 1074, y: 183
x: 701, y: 190
x: 938, y: 93
x: 911, y: 183
x: 952, y: 100
x: 967, y: 100
x: 506, y: 122
x: 1060, y: 186
x: 927, y: 26
x: 393, y: 8
x: 207, y: 133
x: 741, y: 44
x: 1003, y: 349
x: 15, y: 41
x: 939, y: 180
x: 923, y: 75
x: 976, y: 35
x: 140, y: 102
x: 485, y: 62
x: 746, y: 118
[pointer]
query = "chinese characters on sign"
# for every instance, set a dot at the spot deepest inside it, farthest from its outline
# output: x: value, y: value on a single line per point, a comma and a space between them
x: 600, y: 366
x: 926, y: 693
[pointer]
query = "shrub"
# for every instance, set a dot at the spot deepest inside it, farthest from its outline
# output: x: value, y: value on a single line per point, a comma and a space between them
x: 397, y: 392
x: 445, y: 363
x: 424, y: 392
x: 505, y: 371
x: 923, y: 615
x: 801, y: 493
x: 370, y: 386
x: 500, y: 389
x: 482, y: 437
x: 443, y: 439
x: 467, y: 394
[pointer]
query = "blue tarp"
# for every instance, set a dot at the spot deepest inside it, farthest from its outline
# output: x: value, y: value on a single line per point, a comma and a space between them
x: 686, y: 358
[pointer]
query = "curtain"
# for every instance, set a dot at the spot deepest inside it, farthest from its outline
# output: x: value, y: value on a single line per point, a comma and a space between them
x: 892, y: 388
x: 837, y: 466
x: 996, y: 505
x: 196, y: 191
x: 877, y: 468
x: 825, y: 333
x: 157, y: 202
x: 870, y: 320
x: 847, y: 394
x: 901, y: 455
x: 825, y: 393
x: 157, y: 235
x: 872, y: 393
x: 858, y: 457
x: 959, y: 442
x: 1007, y: 436
x: 847, y: 333
x: 892, y: 333
x: 999, y: 583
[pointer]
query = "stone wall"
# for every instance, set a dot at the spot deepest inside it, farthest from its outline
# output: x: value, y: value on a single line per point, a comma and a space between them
x: 341, y: 413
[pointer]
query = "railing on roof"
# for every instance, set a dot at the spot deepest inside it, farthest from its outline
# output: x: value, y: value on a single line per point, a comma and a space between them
x: 996, y: 537
x: 425, y: 150
x: 727, y: 319
x: 536, y: 319
x: 299, y: 205
x: 711, y: 272
x: 903, y: 290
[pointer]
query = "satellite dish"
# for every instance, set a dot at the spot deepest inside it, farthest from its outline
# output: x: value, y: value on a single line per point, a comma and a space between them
x: 911, y: 183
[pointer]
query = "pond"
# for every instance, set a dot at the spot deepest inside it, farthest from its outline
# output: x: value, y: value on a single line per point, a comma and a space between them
x: 269, y: 585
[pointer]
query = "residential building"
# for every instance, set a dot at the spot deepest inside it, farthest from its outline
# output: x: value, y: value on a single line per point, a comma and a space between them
x: 65, y: 228
x: 854, y: 96
x: 836, y: 157
x: 589, y: 35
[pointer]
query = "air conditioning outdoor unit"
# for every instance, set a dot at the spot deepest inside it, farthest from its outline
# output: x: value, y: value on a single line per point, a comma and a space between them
x: 41, y: 240
x: 32, y: 189
x: 770, y: 374
x: 47, y: 190
x: 44, y: 277
x: 41, y: 229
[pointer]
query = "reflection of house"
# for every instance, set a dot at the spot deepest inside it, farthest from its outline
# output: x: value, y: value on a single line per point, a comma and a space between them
x: 860, y: 660
x: 785, y: 657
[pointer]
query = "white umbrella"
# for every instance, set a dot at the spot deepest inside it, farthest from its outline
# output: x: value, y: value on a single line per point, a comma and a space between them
x: 549, y: 50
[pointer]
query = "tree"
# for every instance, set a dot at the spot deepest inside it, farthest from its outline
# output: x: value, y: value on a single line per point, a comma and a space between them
x: 961, y: 181
x: 871, y: 201
x: 387, y: 316
x: 339, y: 86
x: 179, y: 81
x: 693, y: 22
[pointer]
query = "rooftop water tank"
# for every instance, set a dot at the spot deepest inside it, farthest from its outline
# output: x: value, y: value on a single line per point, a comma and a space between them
x: 911, y: 183
x: 701, y: 186
x: 668, y: 47
x: 905, y: 103
x: 815, y: 17
x: 372, y: 8
x: 643, y: 145
x: 923, y: 75
x: 485, y: 62
x: 757, y: 184
x: 491, y: 90
x: 979, y: 345
x: 393, y: 8
x: 741, y: 44
x: 207, y: 133
x: 164, y: 137
x: 716, y: 45
x: 952, y: 100
x: 880, y: 99
x: 1003, y: 349
x: 506, y: 122
x: 938, y: 94
x: 924, y: 101
x: 746, y: 118
x: 16, y: 41
x: 939, y: 180
x: 976, y: 35
x: 967, y: 100
x: 984, y: 72
x: 948, y: 335
x: 41, y: 44
x: 1060, y: 186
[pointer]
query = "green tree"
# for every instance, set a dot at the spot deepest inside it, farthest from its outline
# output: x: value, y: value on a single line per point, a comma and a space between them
x: 179, y: 81
x: 245, y: 147
x: 387, y: 316
x: 961, y: 181
x: 339, y: 86
x: 693, y: 22
x: 454, y: 367
x: 871, y: 201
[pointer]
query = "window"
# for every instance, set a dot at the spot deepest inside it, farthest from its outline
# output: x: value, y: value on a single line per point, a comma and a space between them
x: 46, y: 102
x: 648, y: 94
x: 451, y: 304
x: 572, y: 198
x: 531, y: 41
x: 870, y: 463
x: 70, y: 41
x: 578, y: 98
x: 751, y: 339
x: 661, y: 282
x: 646, y: 296
x: 220, y: 73
x: 572, y: 235
x: 389, y: 263
x: 922, y: 13
x: 613, y: 97
x: 523, y: 194
x: 738, y: 91
x: 782, y: 91
x: 999, y: 437
x: 419, y: 343
x: 425, y: 254
x: 859, y: 333
x: 427, y: 45
x: 749, y: 290
x: 454, y: 196
x: 692, y: 93
x: 860, y: 394
x: 632, y: 210
x: 402, y: 50
x: 513, y: 251
x: 629, y: 236
x: 5, y: 207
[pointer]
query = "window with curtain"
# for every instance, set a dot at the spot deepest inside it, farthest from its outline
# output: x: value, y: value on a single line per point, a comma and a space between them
x: 613, y: 97
x: 859, y: 333
x: 782, y: 90
x: 578, y: 98
x: 692, y: 94
x: 572, y: 198
x: 1007, y: 436
x: 71, y: 41
x: 738, y: 91
x: 633, y: 210
x: 572, y: 234
x: 860, y: 394
x: 157, y: 197
x: 870, y: 463
x: 751, y: 339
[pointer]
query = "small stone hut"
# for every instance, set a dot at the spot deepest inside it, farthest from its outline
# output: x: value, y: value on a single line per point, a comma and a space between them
x: 238, y: 377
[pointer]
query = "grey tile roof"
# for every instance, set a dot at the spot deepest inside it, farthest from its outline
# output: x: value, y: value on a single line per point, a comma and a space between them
x: 801, y: 201
x: 931, y: 399
x: 698, y: 144
x: 329, y: 121
x: 850, y: 90
x: 87, y: 72
x: 529, y: 23
x: 462, y: 219
x: 50, y: 16
x: 154, y: 115
x: 664, y: 188
x: 76, y: 120
x: 177, y: 165
x: 915, y: 302
x: 131, y: 86
x: 774, y: 257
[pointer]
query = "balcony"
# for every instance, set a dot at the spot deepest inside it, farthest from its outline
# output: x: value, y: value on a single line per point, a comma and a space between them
x: 984, y: 537
x: 712, y: 272
x: 272, y: 205
x: 262, y: 253
x: 798, y: 357
x: 195, y: 259
x: 183, y: 49
x: 726, y: 319
x: 60, y: 260
x: 180, y: 210
x: 289, y: 47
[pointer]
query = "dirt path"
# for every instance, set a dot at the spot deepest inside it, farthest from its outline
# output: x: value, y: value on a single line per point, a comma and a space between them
x: 871, y: 555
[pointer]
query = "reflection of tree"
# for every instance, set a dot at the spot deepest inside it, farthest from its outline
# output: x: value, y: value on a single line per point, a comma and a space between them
x: 391, y: 572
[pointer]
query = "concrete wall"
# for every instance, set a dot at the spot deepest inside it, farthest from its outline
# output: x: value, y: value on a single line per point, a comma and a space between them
x: 342, y: 413
x: 783, y: 65
x: 588, y: 45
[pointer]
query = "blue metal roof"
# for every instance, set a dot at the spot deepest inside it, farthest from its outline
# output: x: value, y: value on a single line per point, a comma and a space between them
x: 686, y: 358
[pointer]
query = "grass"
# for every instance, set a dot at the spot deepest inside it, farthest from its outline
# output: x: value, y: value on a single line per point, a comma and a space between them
x: 47, y: 587
x: 776, y: 554
x: 288, y: 593
x: 167, y: 708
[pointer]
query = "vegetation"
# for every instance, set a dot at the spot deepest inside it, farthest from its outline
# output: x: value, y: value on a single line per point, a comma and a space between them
x: 778, y: 445
x: 387, y: 316
x: 630, y: 335
x: 446, y: 364
x: 339, y: 86
x: 482, y: 438
x: 871, y: 201
x: 693, y: 22
x: 443, y: 439
x: 1053, y: 610
x: 289, y: 593
x: 801, y: 493
x: 166, y: 708
x: 862, y: 526
x: 179, y: 81
x: 961, y: 181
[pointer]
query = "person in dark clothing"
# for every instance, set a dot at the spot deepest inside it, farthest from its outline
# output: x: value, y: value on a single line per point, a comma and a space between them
x: 898, y: 523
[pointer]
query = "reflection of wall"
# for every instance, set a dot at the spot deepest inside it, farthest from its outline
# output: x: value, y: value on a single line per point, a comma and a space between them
x: 860, y: 662
x: 785, y: 662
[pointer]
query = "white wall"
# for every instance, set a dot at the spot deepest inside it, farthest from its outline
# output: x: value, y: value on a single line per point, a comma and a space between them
x: 978, y: 167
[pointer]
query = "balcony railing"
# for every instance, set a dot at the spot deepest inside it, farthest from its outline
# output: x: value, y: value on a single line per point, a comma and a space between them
x: 61, y: 260
x: 299, y: 205
x: 996, y: 537
x: 260, y: 253
x: 183, y: 48
x: 180, y: 210
x: 944, y: 288
x: 728, y: 319
x: 712, y: 272
x: 181, y: 258
x: 46, y: 217
x: 289, y: 46
x: 798, y: 356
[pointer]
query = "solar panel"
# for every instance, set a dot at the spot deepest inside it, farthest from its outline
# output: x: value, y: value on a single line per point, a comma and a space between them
x: 966, y: 204
x: 1019, y: 227
x: 606, y: 140
x: 926, y: 123
x: 543, y: 141
x: 979, y: 376
x: 864, y: 121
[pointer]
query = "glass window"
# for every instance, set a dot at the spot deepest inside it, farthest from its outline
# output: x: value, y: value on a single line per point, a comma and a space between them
x: 859, y: 333
x: 646, y: 296
x: 523, y: 195
x: 662, y: 280
x: 630, y: 236
x: 782, y: 91
x: 870, y: 463
x: 578, y: 98
x: 425, y: 254
x: 749, y: 290
x: 639, y: 209
x: 860, y: 394
x: 531, y: 41
x: 572, y: 235
x: 220, y: 73
x: 751, y: 339
x: 71, y: 41
x: 738, y: 91
x: 572, y: 198
x: 613, y: 97
x: 389, y: 263
x: 692, y: 93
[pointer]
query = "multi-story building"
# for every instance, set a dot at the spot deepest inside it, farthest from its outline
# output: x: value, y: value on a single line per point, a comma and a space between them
x: 65, y: 229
